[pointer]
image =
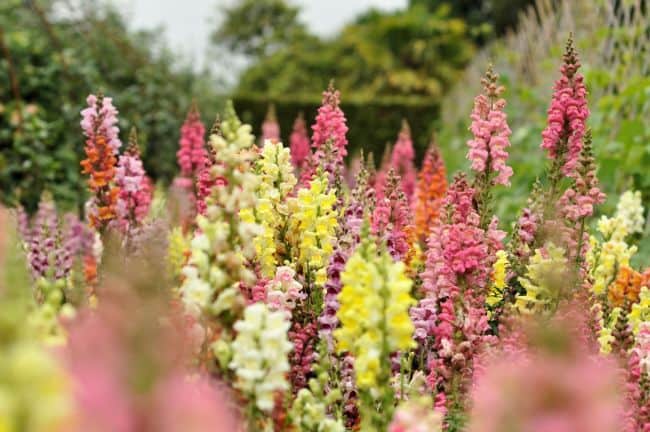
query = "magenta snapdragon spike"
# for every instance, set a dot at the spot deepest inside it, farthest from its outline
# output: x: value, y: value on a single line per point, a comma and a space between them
x: 191, y: 152
x: 270, y: 127
x: 299, y: 143
x: 135, y: 188
x: 567, y: 115
x: 303, y: 337
x: 391, y: 217
x: 458, y: 266
x: 488, y: 147
x: 330, y: 123
x: 72, y: 243
x: 402, y: 161
x: 43, y: 247
x: 108, y: 126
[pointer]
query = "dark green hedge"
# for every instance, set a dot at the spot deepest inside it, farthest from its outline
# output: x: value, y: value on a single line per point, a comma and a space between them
x: 372, y: 123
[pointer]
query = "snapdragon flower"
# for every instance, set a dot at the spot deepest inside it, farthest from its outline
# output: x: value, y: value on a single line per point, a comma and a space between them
x: 402, y: 159
x: 102, y: 145
x: 299, y: 143
x: 545, y: 275
x: 429, y: 191
x: 270, y: 127
x: 260, y: 355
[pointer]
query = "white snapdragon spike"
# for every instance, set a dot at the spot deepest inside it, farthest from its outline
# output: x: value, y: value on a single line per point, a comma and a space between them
x: 259, y: 354
x: 630, y: 210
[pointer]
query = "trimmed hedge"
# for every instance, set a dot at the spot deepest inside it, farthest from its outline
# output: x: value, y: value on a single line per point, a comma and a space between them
x: 373, y: 123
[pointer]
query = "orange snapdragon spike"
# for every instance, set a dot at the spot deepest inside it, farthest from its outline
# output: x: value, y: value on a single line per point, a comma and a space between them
x: 430, y: 192
x: 626, y: 286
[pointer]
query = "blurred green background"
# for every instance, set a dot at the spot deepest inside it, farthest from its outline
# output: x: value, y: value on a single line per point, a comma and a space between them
x: 422, y: 62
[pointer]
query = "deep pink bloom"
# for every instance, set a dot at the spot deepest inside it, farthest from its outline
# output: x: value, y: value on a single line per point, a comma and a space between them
x: 488, y: 148
x: 567, y: 114
x: 299, y: 143
x: 402, y: 161
x: 191, y: 152
x: 303, y: 338
x: 330, y: 123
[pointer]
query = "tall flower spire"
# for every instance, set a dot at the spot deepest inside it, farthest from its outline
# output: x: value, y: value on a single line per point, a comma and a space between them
x: 299, y: 142
x: 102, y: 145
x: 270, y: 127
x: 567, y: 115
x: 429, y: 191
x: 191, y: 146
x: 487, y: 149
x: 135, y: 193
x: 330, y: 123
x: 402, y: 160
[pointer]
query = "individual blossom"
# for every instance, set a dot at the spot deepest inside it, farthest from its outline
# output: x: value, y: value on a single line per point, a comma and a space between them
x: 625, y: 288
x: 429, y: 191
x: 488, y: 147
x: 567, y: 115
x: 499, y: 279
x: 375, y: 300
x: 299, y: 143
x: 284, y: 292
x: 545, y: 276
x: 312, y: 226
x: 416, y: 416
x: 640, y: 311
x: 102, y: 145
x: 134, y: 199
x: 260, y: 355
x: 270, y: 127
x: 402, y: 161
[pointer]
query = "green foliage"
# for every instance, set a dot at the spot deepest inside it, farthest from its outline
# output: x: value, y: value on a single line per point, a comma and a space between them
x: 52, y: 61
x: 254, y: 27
x: 375, y: 122
x: 402, y: 53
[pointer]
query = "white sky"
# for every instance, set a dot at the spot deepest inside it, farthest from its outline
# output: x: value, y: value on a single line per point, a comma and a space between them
x: 188, y: 23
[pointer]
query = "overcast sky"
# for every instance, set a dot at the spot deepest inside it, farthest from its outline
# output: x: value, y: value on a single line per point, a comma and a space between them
x: 188, y: 23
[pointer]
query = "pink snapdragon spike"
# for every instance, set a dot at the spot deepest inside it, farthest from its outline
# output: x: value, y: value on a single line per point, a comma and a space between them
x: 567, y: 115
x: 458, y: 266
x: 637, y: 416
x: 270, y: 127
x: 402, y: 161
x: 299, y: 143
x: 303, y: 337
x: 108, y: 127
x: 191, y: 152
x: 488, y: 147
x: 331, y: 123
x: 391, y: 217
x: 135, y: 187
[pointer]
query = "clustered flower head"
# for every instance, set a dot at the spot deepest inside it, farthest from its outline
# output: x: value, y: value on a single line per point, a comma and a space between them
x: 488, y: 147
x: 567, y: 115
x: 191, y: 152
x: 430, y: 191
x: 313, y: 222
x: 260, y: 355
x: 270, y: 127
x: 391, y: 218
x: 135, y: 193
x: 276, y: 182
x: 299, y: 143
x: 374, y: 312
x: 402, y: 161
x: 102, y: 146
x: 330, y: 123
